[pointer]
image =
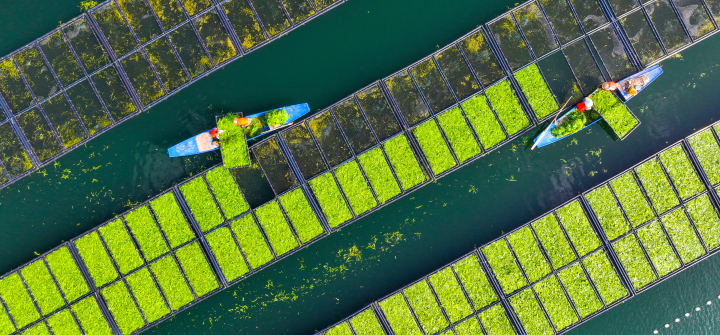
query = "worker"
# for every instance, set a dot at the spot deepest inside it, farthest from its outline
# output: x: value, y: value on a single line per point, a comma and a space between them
x: 215, y: 135
x: 241, y: 121
x: 609, y: 86
x: 215, y: 143
x: 585, y: 104
x: 634, y: 85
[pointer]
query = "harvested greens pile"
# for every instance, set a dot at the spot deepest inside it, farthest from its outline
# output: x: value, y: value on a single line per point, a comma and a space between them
x: 277, y: 117
x: 233, y: 146
x: 573, y: 122
x: 614, y: 112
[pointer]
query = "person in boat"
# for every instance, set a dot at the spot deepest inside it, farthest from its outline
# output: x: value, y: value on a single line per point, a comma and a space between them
x: 631, y: 86
x: 215, y: 135
x: 585, y: 104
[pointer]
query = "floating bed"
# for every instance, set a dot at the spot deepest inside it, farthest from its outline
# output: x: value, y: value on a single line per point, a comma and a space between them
x: 399, y: 316
x: 118, y: 242
x: 461, y: 138
x: 113, y: 93
x: 356, y: 130
x: 147, y: 295
x: 428, y: 312
x: 171, y: 219
x: 64, y: 120
x: 381, y: 177
x: 19, y: 303
x: 633, y: 260
x: 553, y: 240
x: 331, y: 200
x: 166, y: 64
x: 67, y: 274
x: 657, y: 186
x: 706, y: 219
x: 252, y: 241
x: 483, y: 120
x: 140, y: 18
x: 481, y: 58
x: 683, y: 236
x: 632, y: 199
x: 608, y: 212
x: 146, y: 232
x: 299, y: 10
x: 13, y: 89
x: 707, y: 151
x: 614, y: 112
x: 432, y: 85
x: 234, y: 147
x: 38, y: 132
x: 457, y: 72
x: 197, y: 269
x: 15, y: 160
x: 404, y: 163
x: 552, y: 297
x: 475, y: 282
x: 604, y: 276
x: 376, y: 108
x: 121, y: 304
x: 190, y: 50
x: 42, y: 286
x: 407, y: 97
x: 63, y: 323
x: 227, y: 253
x: 504, y: 266
x: 172, y: 282
x: 537, y: 91
x: 227, y: 192
x: 245, y: 23
x: 355, y: 187
x: 580, y: 290
x: 508, y: 109
x: 367, y: 323
x: 434, y: 147
x: 217, y: 40
x: 113, y: 26
x: 202, y: 204
x: 61, y: 58
x: 528, y: 253
x: 41, y: 81
x: 272, y: 16
x: 531, y: 315
x: 91, y: 317
x: 301, y: 215
x: 681, y: 172
x: 450, y: 294
x: 96, y: 259
x: 276, y: 228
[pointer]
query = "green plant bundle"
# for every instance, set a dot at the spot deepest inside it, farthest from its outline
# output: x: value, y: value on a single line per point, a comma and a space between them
x: 508, y: 108
x: 277, y: 117
x: 615, y: 113
x: 495, y: 321
x: 537, y: 91
x: 450, y: 294
x: 574, y: 122
x: 528, y: 253
x: 172, y: 283
x: 301, y: 215
x: 123, y: 308
x: 355, y: 186
x: 171, y: 219
x: 379, y: 174
x: 90, y: 317
x: 608, y: 213
x: 63, y: 323
x: 197, y: 269
x: 578, y: 228
x: 404, y: 162
x: 434, y: 147
x: 558, y: 307
x: 146, y: 232
x: 458, y: 132
x: 227, y: 253
x: 233, y: 144
x: 147, y: 295
x: 42, y: 286
x: 484, y: 122
x: 708, y: 153
x: 252, y: 241
x: 19, y: 303
x: 683, y: 235
x: 476, y: 284
x: 96, y: 259
x: 341, y: 329
x: 6, y: 325
x: 603, y: 275
x: 681, y: 172
x: 657, y: 186
x: 117, y: 239
x: 67, y: 274
x: 331, y: 201
x: 399, y: 316
x: 202, y: 204
x: 468, y: 327
x: 503, y: 265
x: 554, y: 241
x: 706, y: 220
x: 276, y: 228
x: 37, y: 329
x: 426, y: 307
x: 632, y: 199
x: 227, y: 192
x: 634, y: 261
x: 366, y: 323
x: 658, y: 248
x: 530, y: 314
x: 580, y: 290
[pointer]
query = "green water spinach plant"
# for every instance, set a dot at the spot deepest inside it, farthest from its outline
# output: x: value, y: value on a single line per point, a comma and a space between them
x: 197, y: 269
x: 495, y: 320
x: 42, y: 286
x: 578, y: 227
x: 554, y: 241
x: 201, y: 203
x: 706, y: 219
x: 276, y: 228
x: 458, y: 132
x: 96, y: 259
x: 90, y: 316
x: 68, y: 275
x: 227, y: 254
x: 63, y: 322
x: 233, y: 145
x: 632, y: 199
x: 171, y: 220
x: 252, y: 241
x: 683, y: 235
x: 657, y: 186
x: 503, y: 265
x: 341, y: 329
x: 227, y: 192
x: 147, y: 295
x: 608, y: 212
x: 172, y: 282
x: 426, y: 307
x: 146, y: 232
x: 603, y: 275
x: 404, y: 162
x: 537, y: 91
x: 355, y: 186
x: 580, y: 290
x: 379, y: 174
x: 483, y: 120
x: 552, y: 297
x: 19, y: 303
x: 634, y: 261
x: 434, y: 147
x: 121, y: 305
x: 117, y: 239
x: 530, y: 313
x: 39, y: 328
x: 399, y: 316
x: 681, y: 172
x: 331, y: 200
x: 451, y: 295
x: 707, y: 151
x: 474, y: 280
x: 528, y: 254
x: 301, y: 215
x: 367, y: 323
x: 508, y: 108
x: 658, y: 248
x: 469, y: 326
x: 615, y: 113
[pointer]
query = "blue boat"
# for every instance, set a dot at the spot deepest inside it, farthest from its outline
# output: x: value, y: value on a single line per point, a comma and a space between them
x: 202, y: 143
x: 650, y: 74
x: 546, y: 137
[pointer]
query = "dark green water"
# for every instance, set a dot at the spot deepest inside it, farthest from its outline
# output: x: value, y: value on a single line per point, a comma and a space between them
x: 321, y: 63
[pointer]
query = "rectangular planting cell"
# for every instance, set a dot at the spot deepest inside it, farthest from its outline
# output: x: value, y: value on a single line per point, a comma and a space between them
x: 426, y: 308
x: 233, y: 144
x: 621, y: 7
x: 201, y: 203
x: 483, y: 120
x: 578, y: 228
x: 658, y: 248
x: 86, y: 46
x: 528, y: 254
x: 117, y: 239
x: 657, y: 186
x: 166, y: 64
x: 562, y: 20
x: 197, y: 269
x: 143, y: 80
x: 120, y: 303
x: 633, y: 260
x: 355, y: 187
x: 301, y: 215
x: 141, y: 19
x: 642, y: 37
x: 227, y: 253
x: 367, y: 323
x: 113, y: 93
x: 608, y: 212
x: 353, y: 125
x: 168, y: 12
x: 458, y: 133
x: 537, y: 91
x: 407, y: 98
x: 63, y: 323
x: 469, y: 326
x: 508, y: 109
x: 61, y: 58
x: 67, y: 274
x: 329, y: 138
x: 64, y: 120
x: 376, y: 108
x: 474, y: 280
x: 632, y: 199
x: 434, y: 147
x: 190, y: 50
x: 304, y: 150
x: 114, y: 28
x: 227, y: 193
x: 580, y: 290
x: 668, y: 26
x: 88, y: 106
x: 457, y: 72
x: 96, y: 259
x: 379, y: 174
x: 274, y: 165
x: 681, y: 172
x: 276, y: 228
x: 252, y: 241
x: 683, y: 235
x: 706, y: 219
x: 41, y: 285
x: 195, y: 6
x: 91, y: 317
x: 142, y: 225
x: 148, y: 295
x: 504, y: 266
x: 553, y: 240
x: 511, y: 42
x: 481, y: 58
x: 530, y: 313
x: 707, y: 151
x: 39, y: 134
x: 552, y: 297
x: 171, y: 220
x: 603, y: 275
x: 12, y: 155
x: 271, y: 15
x: 172, y: 282
x: 612, y: 53
x: 495, y: 320
x: 36, y: 72
x: 299, y: 10
x: 695, y: 17
x: 331, y: 200
x: 399, y: 315
x: 404, y: 162
x: 583, y: 65
x: 432, y: 85
x: 536, y: 29
x: 246, y: 25
x: 19, y: 303
x: 450, y: 294
x: 12, y: 87
x: 216, y: 39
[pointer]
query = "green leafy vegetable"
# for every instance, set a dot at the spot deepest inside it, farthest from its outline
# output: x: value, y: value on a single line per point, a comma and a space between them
x: 681, y: 172
x: 528, y: 253
x: 554, y: 241
x: 476, y: 284
x: 172, y: 282
x: 706, y: 219
x: 202, y: 204
x: 496, y: 321
x: 537, y: 91
x: 197, y: 269
x: 426, y: 307
x: 37, y: 329
x: 399, y: 316
x: 355, y: 187
x: 63, y: 323
x: 657, y: 186
x: 227, y: 192
x: 404, y: 162
x: 634, y: 261
x: 658, y: 248
x: 330, y: 199
x: 6, y: 326
x: 434, y: 147
x: 632, y: 199
x: 508, y: 108
x: 277, y: 117
x: 578, y: 227
x: 683, y: 235
x: 341, y: 329
x: 468, y: 327
x: 96, y: 259
x: 276, y: 228
x: 42, y: 286
x: 67, y: 274
x: 556, y: 304
x: 123, y: 308
x: 146, y: 232
x: 531, y: 315
x: 90, y: 317
x: 609, y: 214
x: 379, y: 174
x: 605, y: 278
x: 483, y: 121
x: 171, y: 219
x: 19, y: 304
x: 580, y: 290
x: 450, y: 294
x: 121, y: 246
x: 252, y: 241
x: 232, y: 143
x: 366, y: 323
x: 227, y: 253
x: 503, y: 265
x: 614, y: 112
x: 301, y: 215
x: 458, y: 132
x: 148, y: 295
x: 708, y: 153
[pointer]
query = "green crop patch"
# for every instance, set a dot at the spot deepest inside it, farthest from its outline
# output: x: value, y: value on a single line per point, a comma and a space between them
x: 301, y: 215
x: 37, y: 329
x: 537, y: 91
x: 531, y: 315
x: 90, y: 317
x: 458, y: 132
x: 528, y: 253
x: 146, y: 232
x: 276, y: 228
x: 148, y: 295
x: 619, y: 117
x: 708, y: 153
x: 552, y: 296
x: 252, y: 241
x: 399, y: 316
x: 19, y: 304
x: 503, y: 265
x: 632, y: 199
x: 123, y: 308
x: 232, y: 143
x: 96, y: 259
x: 681, y: 172
x: 404, y: 162
x: 197, y: 269
x: 476, y: 284
x: 330, y: 199
x: 379, y: 174
x: 683, y: 236
x: 42, y: 286
x: 227, y: 192
x: 67, y: 274
x: 508, y: 108
x: 496, y: 321
x: 121, y: 246
x: 604, y: 277
x: 227, y: 253
x: 580, y: 290
x: 6, y: 325
x: 341, y: 329
x: 706, y: 220
x: 366, y: 323
x: 634, y: 261
x: 355, y: 187
x: 172, y: 282
x: 171, y: 220
x: 202, y: 204
x: 468, y: 327
x: 554, y: 241
x: 450, y: 294
x: 658, y: 248
x: 426, y: 307
x: 578, y: 227
x: 657, y: 186
x: 434, y: 147
x: 608, y: 212
x: 63, y: 323
x: 484, y: 122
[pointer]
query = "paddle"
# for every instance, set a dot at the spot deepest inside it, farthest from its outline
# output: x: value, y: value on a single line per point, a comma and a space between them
x: 556, y: 115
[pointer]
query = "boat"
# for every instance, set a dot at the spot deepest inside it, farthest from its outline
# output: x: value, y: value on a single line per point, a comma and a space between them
x: 202, y: 142
x: 546, y: 137
x: 624, y: 85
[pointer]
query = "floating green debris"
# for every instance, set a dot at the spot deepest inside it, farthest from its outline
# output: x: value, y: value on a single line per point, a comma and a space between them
x: 355, y: 187
x: 301, y: 215
x: 706, y: 219
x: 554, y: 241
x: 143, y: 80
x: 503, y: 265
x: 96, y: 259
x: 67, y: 274
x: 614, y: 112
x: 379, y: 174
x: 708, y: 153
x: 404, y: 162
x: 552, y: 296
x: 90, y: 317
x: 530, y: 314
x: 63, y: 323
x: 474, y: 280
x: 508, y: 108
x: 61, y: 59
x: 42, y: 287
x: 458, y: 132
x: 426, y: 307
x: 657, y: 186
x: 252, y: 241
x: 632, y: 199
x: 227, y: 192
x: 484, y: 121
x: 578, y: 227
x: 216, y: 39
x: 605, y: 278
x: 121, y: 305
x: 683, y: 236
x: 88, y: 106
x: 451, y: 295
x: 434, y: 147
x: 197, y: 269
x: 64, y: 121
x: 171, y: 219
x: 201, y: 203
x: 495, y: 320
x: 398, y: 314
x: 276, y: 228
x: 528, y: 252
x: 243, y: 20
x: 234, y: 147
x: 117, y: 239
x: 19, y: 303
x: 366, y: 323
x: 658, y: 248
x: 330, y: 199
x: 681, y: 172
x: 113, y: 26
x: 608, y: 213
x: 580, y: 290
x: 147, y: 295
x: 171, y: 282
x: 634, y: 261
x: 146, y: 232
x: 87, y: 47
x: 39, y: 134
x: 227, y: 253
x: 537, y: 91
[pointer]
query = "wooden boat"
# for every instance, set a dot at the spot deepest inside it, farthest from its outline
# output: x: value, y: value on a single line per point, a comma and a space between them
x: 202, y: 142
x: 546, y: 137
x: 624, y: 85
